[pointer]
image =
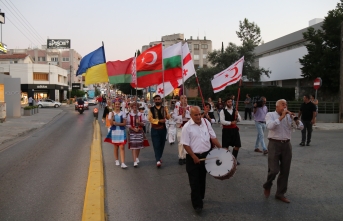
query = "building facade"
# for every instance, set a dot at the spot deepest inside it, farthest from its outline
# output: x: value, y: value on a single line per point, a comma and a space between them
x: 281, y: 57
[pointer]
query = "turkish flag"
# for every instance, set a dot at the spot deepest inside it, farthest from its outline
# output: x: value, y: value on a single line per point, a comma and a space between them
x: 229, y: 76
x: 150, y: 59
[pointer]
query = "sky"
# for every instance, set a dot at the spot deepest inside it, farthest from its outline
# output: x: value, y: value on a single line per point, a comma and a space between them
x: 125, y: 26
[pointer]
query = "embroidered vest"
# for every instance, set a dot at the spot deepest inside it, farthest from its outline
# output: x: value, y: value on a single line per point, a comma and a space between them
x: 133, y: 120
x: 158, y: 114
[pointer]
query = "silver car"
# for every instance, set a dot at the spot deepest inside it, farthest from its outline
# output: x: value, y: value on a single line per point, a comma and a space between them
x: 48, y: 103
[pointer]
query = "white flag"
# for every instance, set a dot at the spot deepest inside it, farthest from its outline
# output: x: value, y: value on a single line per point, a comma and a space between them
x: 229, y: 76
x: 187, y: 71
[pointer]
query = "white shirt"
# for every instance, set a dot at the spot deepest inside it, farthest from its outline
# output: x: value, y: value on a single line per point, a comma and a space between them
x: 280, y: 130
x: 197, y: 137
x: 177, y: 117
x: 222, y: 116
x: 111, y: 114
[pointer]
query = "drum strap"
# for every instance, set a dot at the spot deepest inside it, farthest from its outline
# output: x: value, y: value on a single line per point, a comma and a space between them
x: 212, y: 144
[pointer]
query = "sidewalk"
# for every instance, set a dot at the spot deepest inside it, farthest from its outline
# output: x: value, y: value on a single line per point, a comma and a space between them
x: 13, y: 128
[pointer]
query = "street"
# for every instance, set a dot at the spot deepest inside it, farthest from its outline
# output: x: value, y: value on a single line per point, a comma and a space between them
x: 147, y: 193
x: 43, y: 177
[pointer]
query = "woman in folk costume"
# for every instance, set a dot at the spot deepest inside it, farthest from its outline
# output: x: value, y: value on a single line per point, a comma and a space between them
x: 171, y: 130
x: 117, y: 133
x: 135, y: 125
x: 107, y: 110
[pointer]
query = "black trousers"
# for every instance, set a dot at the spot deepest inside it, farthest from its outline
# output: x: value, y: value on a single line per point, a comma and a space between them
x: 246, y: 112
x: 308, y: 128
x: 197, y: 179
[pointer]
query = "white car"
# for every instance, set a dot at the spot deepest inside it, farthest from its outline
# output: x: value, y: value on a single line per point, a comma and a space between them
x: 48, y: 103
x: 92, y: 101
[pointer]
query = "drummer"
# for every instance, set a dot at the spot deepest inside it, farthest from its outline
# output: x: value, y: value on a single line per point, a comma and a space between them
x: 195, y: 138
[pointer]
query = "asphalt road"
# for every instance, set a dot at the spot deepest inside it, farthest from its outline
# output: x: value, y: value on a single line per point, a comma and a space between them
x: 43, y: 175
x: 147, y: 193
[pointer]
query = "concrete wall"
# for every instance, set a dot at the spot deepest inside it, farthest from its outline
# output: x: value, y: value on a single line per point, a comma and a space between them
x: 12, y: 97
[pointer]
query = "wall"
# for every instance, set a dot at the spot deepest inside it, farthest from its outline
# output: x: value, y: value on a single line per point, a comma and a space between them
x: 12, y: 97
x: 284, y: 65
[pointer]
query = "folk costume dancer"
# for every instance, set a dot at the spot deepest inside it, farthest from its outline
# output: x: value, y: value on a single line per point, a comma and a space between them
x: 197, y: 135
x: 181, y: 116
x: 171, y: 130
x: 280, y: 124
x: 229, y: 117
x: 136, y: 134
x: 157, y: 117
x: 117, y: 132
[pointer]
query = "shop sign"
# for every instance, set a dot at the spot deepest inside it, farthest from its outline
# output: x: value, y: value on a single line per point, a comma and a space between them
x: 58, y: 43
x: 76, y: 85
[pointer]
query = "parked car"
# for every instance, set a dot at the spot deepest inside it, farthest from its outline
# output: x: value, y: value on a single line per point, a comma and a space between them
x: 92, y: 101
x: 85, y: 100
x: 48, y: 103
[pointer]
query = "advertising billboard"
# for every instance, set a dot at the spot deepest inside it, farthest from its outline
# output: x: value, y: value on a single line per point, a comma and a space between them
x: 3, y: 48
x: 58, y: 43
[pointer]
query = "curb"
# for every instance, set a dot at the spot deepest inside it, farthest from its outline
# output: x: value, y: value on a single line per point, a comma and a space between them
x: 94, y: 204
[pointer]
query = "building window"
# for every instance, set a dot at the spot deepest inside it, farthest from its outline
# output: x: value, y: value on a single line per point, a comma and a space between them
x: 41, y: 58
x: 196, y: 47
x: 204, y: 56
x: 196, y: 57
x: 190, y: 46
x: 204, y: 46
x: 54, y: 59
x: 65, y: 59
x: 40, y: 77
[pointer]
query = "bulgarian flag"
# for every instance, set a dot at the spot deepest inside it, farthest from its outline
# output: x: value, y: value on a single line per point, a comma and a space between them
x: 149, y: 65
x: 119, y: 71
x: 187, y: 71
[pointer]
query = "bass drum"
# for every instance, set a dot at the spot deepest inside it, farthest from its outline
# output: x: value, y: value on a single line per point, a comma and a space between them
x: 220, y: 164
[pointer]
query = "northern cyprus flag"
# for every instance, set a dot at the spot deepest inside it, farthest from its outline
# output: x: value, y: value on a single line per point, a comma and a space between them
x: 187, y: 71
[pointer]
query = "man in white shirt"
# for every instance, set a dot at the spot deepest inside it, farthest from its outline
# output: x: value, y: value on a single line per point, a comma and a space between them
x: 280, y: 124
x: 229, y: 117
x: 195, y: 138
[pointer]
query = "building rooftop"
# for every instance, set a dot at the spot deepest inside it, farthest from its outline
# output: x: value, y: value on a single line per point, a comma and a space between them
x: 13, y: 56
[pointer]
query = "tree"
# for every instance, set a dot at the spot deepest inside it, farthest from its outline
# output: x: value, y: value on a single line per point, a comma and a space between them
x: 323, y: 46
x: 222, y: 51
x: 250, y: 35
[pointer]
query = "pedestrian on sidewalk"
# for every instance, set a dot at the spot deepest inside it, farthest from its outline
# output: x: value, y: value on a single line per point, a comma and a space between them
x: 211, y: 112
x: 196, y: 136
x: 30, y: 101
x: 135, y: 123
x: 229, y: 117
x: 280, y: 124
x: 248, y: 105
x: 157, y: 117
x: 260, y: 112
x: 181, y: 116
x: 117, y: 133
x: 307, y: 114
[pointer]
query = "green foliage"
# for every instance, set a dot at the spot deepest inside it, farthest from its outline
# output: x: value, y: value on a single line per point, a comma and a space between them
x: 28, y: 107
x: 126, y: 88
x: 77, y: 93
x: 97, y: 92
x: 323, y: 58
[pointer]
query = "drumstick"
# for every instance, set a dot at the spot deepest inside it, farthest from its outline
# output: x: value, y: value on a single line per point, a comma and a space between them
x: 203, y: 159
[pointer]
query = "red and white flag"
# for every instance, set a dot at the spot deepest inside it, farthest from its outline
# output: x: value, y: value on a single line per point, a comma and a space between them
x: 229, y: 76
x: 134, y: 72
x: 187, y: 71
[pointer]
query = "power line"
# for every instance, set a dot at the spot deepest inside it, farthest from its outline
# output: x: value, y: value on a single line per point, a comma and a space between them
x: 35, y: 38
x: 19, y: 29
x: 27, y: 22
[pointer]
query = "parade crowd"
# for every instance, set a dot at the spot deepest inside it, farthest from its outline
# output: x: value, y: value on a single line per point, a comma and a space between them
x: 130, y: 119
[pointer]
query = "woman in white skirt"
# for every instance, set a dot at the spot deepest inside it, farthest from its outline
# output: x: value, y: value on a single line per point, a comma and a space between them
x: 117, y: 133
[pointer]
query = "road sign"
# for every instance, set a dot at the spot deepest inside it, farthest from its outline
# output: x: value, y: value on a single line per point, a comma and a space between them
x: 317, y: 83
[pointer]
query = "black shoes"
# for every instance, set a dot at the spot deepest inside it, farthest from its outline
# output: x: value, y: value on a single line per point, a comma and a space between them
x: 180, y: 161
x: 308, y: 144
x: 184, y: 161
x: 302, y: 144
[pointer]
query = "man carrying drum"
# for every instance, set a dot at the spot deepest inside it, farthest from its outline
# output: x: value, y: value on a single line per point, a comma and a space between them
x: 195, y: 138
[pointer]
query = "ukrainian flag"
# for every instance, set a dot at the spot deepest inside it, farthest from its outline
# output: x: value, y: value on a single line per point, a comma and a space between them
x: 94, y: 67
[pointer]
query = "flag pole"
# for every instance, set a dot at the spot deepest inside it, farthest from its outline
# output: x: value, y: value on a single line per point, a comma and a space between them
x: 202, y: 98
x: 136, y: 85
x: 108, y: 83
x: 238, y: 93
x: 163, y: 81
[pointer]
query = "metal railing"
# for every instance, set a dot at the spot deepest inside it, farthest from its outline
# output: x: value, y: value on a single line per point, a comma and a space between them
x: 293, y: 106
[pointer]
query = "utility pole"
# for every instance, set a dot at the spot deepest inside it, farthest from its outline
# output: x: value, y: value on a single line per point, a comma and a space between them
x: 70, y: 81
x: 340, y: 115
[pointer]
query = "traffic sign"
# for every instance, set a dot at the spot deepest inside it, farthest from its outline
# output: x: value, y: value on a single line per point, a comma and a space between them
x: 317, y: 83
